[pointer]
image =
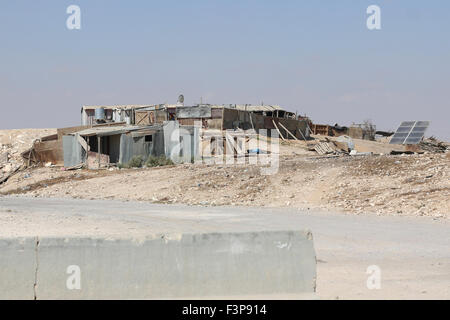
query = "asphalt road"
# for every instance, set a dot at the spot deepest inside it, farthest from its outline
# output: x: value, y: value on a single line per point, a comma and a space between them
x: 412, y: 254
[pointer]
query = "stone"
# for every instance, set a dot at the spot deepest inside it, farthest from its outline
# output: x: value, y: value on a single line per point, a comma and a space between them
x: 7, y: 168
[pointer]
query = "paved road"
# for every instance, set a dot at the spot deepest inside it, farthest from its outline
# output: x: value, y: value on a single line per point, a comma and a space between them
x: 413, y: 254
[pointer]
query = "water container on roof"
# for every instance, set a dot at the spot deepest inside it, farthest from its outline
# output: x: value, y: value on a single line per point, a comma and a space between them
x: 100, y: 114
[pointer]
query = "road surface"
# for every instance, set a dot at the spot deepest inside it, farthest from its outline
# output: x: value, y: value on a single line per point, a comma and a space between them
x: 412, y: 254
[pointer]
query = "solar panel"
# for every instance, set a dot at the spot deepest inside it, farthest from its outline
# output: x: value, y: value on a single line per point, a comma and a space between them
x: 410, y: 132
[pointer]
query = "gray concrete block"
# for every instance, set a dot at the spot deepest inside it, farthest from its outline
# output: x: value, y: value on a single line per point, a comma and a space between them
x: 159, y: 267
x: 200, y: 265
x: 17, y: 268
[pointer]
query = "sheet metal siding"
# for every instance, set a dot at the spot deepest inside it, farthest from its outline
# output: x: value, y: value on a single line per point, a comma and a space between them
x: 126, y: 148
x: 130, y: 147
x: 73, y: 152
x: 158, y: 143
x: 142, y: 148
x: 114, y: 148
x: 194, y: 112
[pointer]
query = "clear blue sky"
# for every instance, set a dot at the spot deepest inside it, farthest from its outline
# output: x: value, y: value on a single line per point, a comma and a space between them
x: 314, y: 57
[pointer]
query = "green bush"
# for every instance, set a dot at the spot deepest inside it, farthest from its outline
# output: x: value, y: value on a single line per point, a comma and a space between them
x: 135, y: 162
x: 153, y: 161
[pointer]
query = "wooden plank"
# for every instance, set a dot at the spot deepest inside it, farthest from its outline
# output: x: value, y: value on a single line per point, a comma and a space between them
x: 29, y: 158
x: 82, y: 142
x: 99, y: 144
x: 278, y: 130
x: 141, y: 117
x: 49, y: 138
x: 323, y: 148
x: 251, y: 120
x: 65, y: 131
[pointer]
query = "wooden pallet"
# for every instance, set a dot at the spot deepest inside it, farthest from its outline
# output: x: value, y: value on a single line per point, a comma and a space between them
x: 323, y: 148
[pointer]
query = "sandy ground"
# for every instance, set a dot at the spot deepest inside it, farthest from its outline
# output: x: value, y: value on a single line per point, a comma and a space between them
x: 391, y: 211
x: 382, y: 184
x: 412, y: 252
x: 417, y: 185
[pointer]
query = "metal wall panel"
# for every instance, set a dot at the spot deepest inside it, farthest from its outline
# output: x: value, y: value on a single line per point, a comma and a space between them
x: 73, y: 152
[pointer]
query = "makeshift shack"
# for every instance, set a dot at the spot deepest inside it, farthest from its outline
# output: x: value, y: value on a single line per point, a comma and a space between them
x: 104, y: 146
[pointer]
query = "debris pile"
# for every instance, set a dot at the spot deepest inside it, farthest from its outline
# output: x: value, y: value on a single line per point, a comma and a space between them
x: 433, y: 145
x: 345, y: 145
x: 12, y: 144
x: 325, y: 146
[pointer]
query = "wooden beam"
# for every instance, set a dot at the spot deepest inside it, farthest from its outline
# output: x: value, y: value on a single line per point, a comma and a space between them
x: 87, y: 153
x: 82, y: 142
x: 307, y: 127
x: 251, y: 120
x: 29, y: 157
x: 287, y: 131
x: 304, y: 138
x: 278, y: 130
x: 99, y: 146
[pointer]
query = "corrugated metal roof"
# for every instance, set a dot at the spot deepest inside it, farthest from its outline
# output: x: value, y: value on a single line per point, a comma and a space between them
x: 161, y: 106
x: 157, y: 107
x: 113, y: 130
x: 248, y: 107
x: 123, y: 107
x: 258, y: 108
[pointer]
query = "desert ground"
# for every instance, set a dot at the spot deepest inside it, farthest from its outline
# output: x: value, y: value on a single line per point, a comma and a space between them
x: 379, y: 184
x: 392, y: 211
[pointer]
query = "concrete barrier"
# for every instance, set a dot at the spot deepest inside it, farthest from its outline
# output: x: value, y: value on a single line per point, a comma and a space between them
x: 160, y: 267
x: 17, y: 268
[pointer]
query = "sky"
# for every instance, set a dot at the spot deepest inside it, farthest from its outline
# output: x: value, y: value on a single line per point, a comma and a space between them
x: 316, y: 57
